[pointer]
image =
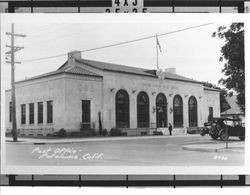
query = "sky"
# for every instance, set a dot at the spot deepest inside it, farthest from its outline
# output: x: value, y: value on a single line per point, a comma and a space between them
x: 194, y: 53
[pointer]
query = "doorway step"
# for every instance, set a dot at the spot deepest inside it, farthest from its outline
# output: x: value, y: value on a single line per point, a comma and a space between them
x: 179, y: 131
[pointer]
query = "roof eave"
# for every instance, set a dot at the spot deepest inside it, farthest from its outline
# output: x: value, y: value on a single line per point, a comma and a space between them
x: 190, y: 81
x: 217, y: 90
x: 38, y: 77
x: 99, y: 76
x: 56, y: 73
x: 154, y: 76
x: 231, y: 114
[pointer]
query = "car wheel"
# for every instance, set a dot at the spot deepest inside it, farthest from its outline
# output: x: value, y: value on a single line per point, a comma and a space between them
x: 214, y: 137
x: 242, y: 138
x: 223, y: 136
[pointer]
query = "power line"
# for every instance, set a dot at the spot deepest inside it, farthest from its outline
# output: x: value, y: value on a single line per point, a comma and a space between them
x: 49, y: 27
x: 63, y: 36
x: 121, y: 43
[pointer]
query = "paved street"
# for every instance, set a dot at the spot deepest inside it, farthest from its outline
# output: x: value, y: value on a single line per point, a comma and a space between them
x: 157, y: 151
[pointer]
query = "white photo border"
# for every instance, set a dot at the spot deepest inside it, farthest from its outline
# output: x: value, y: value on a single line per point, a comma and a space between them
x: 140, y: 170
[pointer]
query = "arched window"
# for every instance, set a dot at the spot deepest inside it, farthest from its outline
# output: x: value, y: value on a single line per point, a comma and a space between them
x: 161, y: 110
x: 192, y: 111
x: 178, y: 111
x: 142, y: 110
x: 122, y: 109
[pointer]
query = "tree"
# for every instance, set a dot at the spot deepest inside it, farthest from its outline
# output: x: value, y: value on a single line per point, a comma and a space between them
x: 233, y: 56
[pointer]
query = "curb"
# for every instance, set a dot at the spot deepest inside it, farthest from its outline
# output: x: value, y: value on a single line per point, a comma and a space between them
x: 42, y: 142
x: 221, y: 149
x: 200, y: 149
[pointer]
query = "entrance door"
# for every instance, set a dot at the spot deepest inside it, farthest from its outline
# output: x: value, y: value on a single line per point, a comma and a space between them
x: 86, y: 114
x: 161, y: 110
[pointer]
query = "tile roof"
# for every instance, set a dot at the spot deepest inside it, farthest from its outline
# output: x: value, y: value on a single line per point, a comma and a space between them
x: 65, y: 69
x: 114, y: 67
x: 79, y: 70
x: 132, y: 70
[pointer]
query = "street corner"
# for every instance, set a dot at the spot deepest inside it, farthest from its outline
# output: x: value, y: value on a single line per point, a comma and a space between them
x: 237, y: 147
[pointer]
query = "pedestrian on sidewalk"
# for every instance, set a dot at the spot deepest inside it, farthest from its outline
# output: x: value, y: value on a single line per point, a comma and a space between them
x: 170, y: 128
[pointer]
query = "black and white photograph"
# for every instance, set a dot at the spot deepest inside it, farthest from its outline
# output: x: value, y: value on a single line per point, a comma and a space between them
x: 96, y: 93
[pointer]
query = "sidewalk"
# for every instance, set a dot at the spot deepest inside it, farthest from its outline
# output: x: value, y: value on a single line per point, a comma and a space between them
x: 23, y: 140
x: 233, y: 146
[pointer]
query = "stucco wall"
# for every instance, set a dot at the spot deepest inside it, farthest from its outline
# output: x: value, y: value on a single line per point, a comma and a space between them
x: 80, y: 88
x: 35, y: 91
x: 211, y: 99
x: 152, y: 87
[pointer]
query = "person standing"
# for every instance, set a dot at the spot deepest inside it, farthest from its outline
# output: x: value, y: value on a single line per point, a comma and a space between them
x: 170, y: 128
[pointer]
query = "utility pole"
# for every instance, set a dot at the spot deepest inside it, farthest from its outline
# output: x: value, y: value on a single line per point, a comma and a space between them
x: 12, y: 51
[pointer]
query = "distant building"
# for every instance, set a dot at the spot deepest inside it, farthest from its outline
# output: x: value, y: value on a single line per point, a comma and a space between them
x: 233, y: 112
x: 134, y: 99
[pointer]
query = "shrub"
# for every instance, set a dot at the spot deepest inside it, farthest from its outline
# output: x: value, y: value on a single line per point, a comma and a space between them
x: 144, y: 133
x: 61, y: 133
x: 115, y: 132
x: 88, y: 132
x: 104, y: 132
x: 157, y: 133
x: 75, y: 134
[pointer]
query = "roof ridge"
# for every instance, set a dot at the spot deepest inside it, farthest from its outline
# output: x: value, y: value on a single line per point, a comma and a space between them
x: 115, y: 64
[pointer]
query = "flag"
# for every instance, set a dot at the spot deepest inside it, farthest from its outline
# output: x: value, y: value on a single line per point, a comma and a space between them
x: 158, y: 44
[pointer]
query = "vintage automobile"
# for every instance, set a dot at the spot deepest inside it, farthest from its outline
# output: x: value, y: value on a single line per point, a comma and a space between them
x: 205, y: 130
x: 223, y: 128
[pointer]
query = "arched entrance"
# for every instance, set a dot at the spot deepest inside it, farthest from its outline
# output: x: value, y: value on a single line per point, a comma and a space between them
x: 161, y: 111
x: 178, y: 111
x: 142, y: 110
x: 192, y: 111
x: 122, y: 109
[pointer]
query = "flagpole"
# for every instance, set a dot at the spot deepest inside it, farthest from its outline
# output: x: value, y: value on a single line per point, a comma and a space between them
x: 156, y: 41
